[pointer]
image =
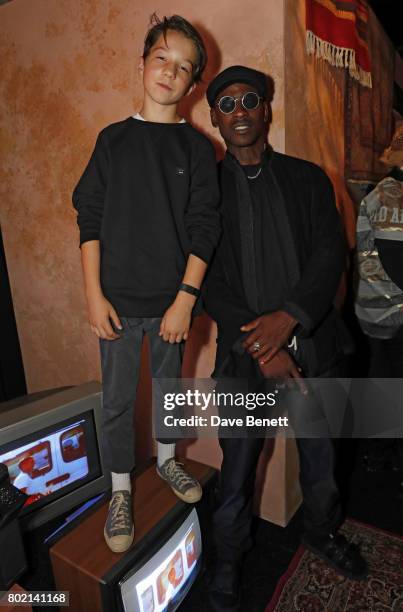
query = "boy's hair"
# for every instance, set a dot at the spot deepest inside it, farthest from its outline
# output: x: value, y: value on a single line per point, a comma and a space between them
x: 177, y: 24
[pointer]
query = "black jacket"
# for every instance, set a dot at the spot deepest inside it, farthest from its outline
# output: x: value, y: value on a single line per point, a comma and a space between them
x: 315, y: 253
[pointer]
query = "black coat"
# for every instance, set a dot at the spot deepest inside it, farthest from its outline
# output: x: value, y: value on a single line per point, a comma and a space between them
x: 315, y: 252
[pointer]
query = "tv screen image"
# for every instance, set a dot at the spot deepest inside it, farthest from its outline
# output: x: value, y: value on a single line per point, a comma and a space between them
x: 48, y: 463
x: 51, y: 446
x: 162, y: 582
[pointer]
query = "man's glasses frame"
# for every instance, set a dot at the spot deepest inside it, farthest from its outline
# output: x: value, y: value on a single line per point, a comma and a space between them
x: 250, y: 101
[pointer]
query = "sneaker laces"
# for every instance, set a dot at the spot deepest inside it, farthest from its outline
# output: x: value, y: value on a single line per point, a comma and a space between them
x: 120, y: 517
x: 176, y: 472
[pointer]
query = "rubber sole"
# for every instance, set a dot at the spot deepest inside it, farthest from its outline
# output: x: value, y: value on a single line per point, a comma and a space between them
x: 179, y: 494
x: 116, y: 547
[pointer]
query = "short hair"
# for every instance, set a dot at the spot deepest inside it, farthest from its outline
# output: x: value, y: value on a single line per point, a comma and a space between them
x: 177, y: 24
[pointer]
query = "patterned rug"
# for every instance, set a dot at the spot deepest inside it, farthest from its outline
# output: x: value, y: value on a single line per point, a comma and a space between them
x: 309, y: 585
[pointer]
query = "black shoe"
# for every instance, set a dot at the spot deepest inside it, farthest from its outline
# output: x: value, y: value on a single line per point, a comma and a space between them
x: 225, y: 586
x: 340, y: 554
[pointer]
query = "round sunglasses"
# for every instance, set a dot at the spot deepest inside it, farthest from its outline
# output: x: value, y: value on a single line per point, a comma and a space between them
x: 250, y: 101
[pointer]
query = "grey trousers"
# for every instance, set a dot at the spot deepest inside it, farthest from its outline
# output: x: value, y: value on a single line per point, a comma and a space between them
x: 120, y: 363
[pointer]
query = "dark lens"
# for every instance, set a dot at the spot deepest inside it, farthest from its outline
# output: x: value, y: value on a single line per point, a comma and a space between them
x: 226, y: 104
x: 250, y: 100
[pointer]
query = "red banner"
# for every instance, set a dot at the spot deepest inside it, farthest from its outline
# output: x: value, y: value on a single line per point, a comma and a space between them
x: 336, y: 30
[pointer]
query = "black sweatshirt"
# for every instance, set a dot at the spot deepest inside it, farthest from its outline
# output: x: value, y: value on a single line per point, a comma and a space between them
x: 150, y: 195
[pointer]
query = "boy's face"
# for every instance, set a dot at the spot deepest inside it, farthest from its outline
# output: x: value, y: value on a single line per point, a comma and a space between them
x: 168, y: 68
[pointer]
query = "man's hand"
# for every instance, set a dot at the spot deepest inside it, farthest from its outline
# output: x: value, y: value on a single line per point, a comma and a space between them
x: 283, y: 366
x: 270, y: 333
x: 175, y: 323
x: 100, y: 314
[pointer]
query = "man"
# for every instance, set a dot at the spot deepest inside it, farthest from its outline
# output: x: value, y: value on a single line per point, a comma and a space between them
x: 274, y: 278
x: 379, y: 300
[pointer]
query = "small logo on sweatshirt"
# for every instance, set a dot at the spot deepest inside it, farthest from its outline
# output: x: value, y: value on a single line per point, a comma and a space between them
x: 180, y: 171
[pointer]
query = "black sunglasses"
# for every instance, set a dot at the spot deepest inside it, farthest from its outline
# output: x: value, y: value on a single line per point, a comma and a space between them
x: 250, y: 101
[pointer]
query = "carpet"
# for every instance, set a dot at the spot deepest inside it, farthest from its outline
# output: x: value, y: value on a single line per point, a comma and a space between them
x: 309, y: 585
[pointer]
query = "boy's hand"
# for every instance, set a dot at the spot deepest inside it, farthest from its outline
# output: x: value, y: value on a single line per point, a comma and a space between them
x: 271, y: 332
x: 283, y: 366
x: 100, y: 314
x: 175, y: 323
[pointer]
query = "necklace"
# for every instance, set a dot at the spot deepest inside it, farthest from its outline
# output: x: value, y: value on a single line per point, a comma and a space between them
x: 256, y: 175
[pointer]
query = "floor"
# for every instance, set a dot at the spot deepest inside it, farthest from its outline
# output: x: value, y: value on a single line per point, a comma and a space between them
x: 371, y: 496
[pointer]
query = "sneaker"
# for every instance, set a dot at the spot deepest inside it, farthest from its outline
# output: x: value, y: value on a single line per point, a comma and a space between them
x: 339, y: 553
x: 182, y: 484
x: 119, y: 528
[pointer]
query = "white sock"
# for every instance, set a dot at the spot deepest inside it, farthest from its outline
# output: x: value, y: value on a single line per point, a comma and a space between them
x: 164, y: 452
x: 121, y: 482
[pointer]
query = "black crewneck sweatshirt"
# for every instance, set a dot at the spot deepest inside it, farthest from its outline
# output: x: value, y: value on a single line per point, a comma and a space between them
x: 149, y: 194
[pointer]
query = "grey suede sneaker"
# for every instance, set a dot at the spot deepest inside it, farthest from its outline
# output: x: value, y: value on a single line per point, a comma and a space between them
x: 119, y: 528
x: 182, y: 484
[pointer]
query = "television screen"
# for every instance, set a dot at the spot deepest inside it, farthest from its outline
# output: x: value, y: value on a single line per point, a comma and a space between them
x: 50, y: 444
x: 162, y: 582
x: 48, y: 463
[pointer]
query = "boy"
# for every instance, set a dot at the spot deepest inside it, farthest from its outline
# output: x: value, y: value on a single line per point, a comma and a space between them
x: 147, y: 212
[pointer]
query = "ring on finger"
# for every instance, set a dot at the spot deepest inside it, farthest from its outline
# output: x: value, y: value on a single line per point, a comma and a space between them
x: 256, y: 346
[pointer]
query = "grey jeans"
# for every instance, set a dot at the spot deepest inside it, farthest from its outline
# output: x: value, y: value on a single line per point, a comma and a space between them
x: 120, y: 362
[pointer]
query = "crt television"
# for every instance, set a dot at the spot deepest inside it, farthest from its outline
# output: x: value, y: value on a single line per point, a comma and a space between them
x: 163, y: 580
x: 51, y: 449
x: 157, y: 573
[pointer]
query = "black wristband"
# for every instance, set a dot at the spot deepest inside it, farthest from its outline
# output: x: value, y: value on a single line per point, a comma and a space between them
x: 189, y: 289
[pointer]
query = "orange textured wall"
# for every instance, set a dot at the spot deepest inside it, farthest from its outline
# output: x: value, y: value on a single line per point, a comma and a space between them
x: 68, y: 69
x: 314, y: 109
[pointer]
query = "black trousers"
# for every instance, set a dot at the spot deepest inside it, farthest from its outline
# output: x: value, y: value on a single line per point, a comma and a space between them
x: 233, y: 515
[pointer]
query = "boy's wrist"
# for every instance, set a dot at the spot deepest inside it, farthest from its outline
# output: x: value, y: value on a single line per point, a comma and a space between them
x: 93, y: 292
x: 185, y: 299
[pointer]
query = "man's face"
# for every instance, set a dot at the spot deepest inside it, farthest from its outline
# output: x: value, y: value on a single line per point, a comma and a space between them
x: 168, y: 68
x: 241, y: 128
